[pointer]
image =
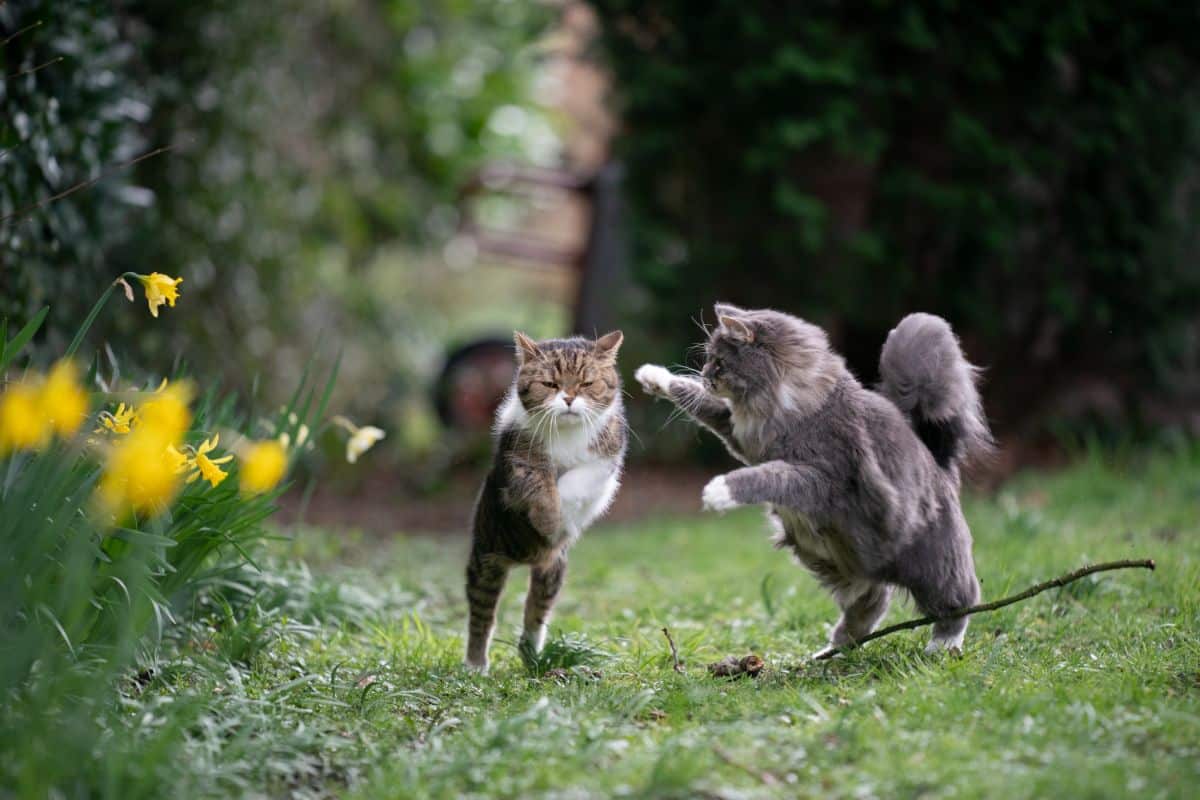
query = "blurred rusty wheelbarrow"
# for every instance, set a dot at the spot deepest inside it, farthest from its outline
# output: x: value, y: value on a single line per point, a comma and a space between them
x: 476, y: 374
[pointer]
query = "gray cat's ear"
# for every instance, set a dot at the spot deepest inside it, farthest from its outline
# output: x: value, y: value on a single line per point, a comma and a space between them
x: 737, y: 329
x: 727, y: 310
x: 527, y: 349
x: 607, y: 344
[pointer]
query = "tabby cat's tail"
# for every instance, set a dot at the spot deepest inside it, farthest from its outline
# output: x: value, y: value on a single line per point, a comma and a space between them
x: 925, y: 373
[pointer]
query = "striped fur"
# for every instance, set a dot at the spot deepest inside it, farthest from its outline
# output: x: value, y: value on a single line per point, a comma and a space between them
x: 560, y: 447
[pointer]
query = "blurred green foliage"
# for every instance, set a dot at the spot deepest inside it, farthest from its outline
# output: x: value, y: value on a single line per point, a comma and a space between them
x: 1030, y: 171
x: 316, y: 154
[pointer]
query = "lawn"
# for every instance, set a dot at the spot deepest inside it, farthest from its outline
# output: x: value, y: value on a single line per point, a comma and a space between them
x: 344, y: 677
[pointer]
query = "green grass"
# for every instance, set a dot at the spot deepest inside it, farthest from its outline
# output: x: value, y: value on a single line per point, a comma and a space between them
x: 346, y: 678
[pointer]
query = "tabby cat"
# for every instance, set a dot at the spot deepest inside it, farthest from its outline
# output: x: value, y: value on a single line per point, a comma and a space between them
x: 560, y: 441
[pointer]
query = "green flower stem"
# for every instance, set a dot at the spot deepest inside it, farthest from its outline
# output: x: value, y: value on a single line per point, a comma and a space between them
x: 91, y: 317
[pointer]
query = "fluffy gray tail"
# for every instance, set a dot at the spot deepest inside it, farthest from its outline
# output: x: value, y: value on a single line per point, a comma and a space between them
x: 927, y: 376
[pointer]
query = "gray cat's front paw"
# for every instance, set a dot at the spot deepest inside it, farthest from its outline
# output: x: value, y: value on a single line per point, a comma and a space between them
x: 717, y: 495
x: 655, y: 380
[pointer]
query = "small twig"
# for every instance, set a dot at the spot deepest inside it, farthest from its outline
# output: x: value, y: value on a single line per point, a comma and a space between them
x: 18, y: 33
x: 85, y: 184
x: 1062, y: 580
x: 767, y: 778
x: 674, y: 650
x: 32, y: 70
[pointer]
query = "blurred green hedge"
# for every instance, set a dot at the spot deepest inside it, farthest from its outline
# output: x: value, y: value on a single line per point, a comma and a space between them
x: 309, y: 140
x: 1029, y: 171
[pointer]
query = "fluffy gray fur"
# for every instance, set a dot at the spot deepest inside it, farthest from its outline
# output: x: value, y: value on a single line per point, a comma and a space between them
x: 862, y: 486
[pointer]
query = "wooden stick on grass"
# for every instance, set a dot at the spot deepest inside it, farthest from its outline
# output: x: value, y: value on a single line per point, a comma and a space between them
x: 674, y: 650
x: 1062, y: 580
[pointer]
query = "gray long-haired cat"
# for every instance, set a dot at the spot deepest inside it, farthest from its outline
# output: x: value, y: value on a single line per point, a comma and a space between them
x: 862, y: 486
x: 560, y: 445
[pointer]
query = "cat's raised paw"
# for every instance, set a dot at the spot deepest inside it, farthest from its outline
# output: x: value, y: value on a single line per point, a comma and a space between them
x: 717, y: 496
x: 655, y: 380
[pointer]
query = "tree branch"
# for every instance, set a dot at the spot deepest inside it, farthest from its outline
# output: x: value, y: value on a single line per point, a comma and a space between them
x: 83, y: 184
x: 1062, y: 580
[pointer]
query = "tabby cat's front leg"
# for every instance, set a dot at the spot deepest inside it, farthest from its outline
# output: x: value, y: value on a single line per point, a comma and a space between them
x: 532, y: 488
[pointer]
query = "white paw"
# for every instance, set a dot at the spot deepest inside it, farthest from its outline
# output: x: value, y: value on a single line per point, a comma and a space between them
x: 534, y: 640
x: 476, y: 666
x: 717, y: 497
x: 655, y: 380
x: 951, y: 644
x: 824, y: 653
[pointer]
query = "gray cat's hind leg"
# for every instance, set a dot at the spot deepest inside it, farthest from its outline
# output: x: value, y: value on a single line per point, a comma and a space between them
x: 947, y: 635
x: 863, y: 605
x: 955, y: 590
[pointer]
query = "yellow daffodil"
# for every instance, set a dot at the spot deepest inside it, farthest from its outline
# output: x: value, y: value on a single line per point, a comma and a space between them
x: 160, y: 289
x: 361, y: 439
x: 166, y: 412
x: 179, y: 460
x: 63, y: 402
x: 208, y: 468
x: 140, y: 474
x: 22, y: 425
x: 262, y: 466
x: 119, y: 421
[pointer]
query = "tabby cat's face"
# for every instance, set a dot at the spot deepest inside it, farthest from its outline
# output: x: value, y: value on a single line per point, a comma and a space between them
x: 568, y: 378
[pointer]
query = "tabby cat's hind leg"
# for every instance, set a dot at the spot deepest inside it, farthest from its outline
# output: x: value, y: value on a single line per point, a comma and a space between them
x: 485, y: 580
x: 545, y: 582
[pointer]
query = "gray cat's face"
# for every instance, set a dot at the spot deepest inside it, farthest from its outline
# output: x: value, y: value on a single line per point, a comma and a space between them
x: 756, y: 353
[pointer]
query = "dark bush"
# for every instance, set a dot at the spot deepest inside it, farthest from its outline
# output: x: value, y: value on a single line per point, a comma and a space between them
x: 68, y: 111
x: 1029, y: 171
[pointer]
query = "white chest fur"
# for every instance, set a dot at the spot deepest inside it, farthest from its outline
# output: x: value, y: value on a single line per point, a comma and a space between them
x: 587, y: 482
x: 584, y: 493
x: 747, y: 433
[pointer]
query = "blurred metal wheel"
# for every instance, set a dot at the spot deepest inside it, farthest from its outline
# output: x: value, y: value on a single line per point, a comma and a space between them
x: 472, y: 383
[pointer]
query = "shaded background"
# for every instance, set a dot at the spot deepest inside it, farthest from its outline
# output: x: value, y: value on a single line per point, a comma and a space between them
x: 390, y: 180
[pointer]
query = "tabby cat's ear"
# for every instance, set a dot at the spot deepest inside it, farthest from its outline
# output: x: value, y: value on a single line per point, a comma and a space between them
x: 606, y: 345
x: 527, y: 349
x: 736, y: 328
